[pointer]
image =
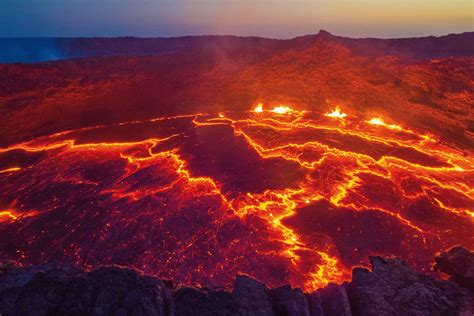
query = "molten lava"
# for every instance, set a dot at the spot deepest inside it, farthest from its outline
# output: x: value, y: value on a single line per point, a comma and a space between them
x: 7, y: 215
x: 258, y: 108
x: 380, y: 122
x: 12, y: 169
x: 297, y: 198
x: 336, y: 113
x: 282, y: 109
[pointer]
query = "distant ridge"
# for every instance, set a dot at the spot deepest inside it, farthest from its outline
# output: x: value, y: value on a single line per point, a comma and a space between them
x: 32, y: 50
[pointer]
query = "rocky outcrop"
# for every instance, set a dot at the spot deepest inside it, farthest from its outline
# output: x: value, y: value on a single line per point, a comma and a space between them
x: 192, y: 301
x: 458, y: 263
x: 288, y: 301
x: 334, y: 300
x: 390, y: 288
x: 393, y: 288
x: 251, y: 296
x: 58, y: 290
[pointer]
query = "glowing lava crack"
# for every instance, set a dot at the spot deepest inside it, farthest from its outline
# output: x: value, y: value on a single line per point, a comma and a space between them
x: 288, y: 196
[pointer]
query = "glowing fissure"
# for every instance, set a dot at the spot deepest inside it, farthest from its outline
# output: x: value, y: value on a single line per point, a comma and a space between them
x: 333, y: 171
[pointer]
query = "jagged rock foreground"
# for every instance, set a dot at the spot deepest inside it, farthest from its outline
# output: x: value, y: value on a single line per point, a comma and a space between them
x: 390, y: 288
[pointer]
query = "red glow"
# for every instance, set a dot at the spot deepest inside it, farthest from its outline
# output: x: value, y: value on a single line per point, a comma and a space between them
x: 286, y: 196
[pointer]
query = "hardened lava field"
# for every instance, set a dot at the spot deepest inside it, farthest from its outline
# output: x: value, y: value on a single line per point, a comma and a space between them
x: 277, y: 192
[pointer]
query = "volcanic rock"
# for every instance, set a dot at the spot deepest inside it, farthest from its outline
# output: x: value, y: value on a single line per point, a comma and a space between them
x: 288, y: 301
x: 393, y: 288
x: 251, y: 296
x: 314, y: 304
x: 192, y: 301
x: 60, y: 290
x: 36, y: 288
x: 458, y: 262
x: 334, y: 301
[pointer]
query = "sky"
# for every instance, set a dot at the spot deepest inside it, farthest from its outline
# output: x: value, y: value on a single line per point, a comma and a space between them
x: 267, y: 18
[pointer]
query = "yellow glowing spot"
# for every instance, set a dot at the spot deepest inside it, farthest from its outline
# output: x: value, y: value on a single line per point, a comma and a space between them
x: 221, y: 115
x: 428, y: 138
x: 380, y: 122
x: 376, y: 121
x: 258, y: 108
x: 282, y: 109
x: 336, y: 113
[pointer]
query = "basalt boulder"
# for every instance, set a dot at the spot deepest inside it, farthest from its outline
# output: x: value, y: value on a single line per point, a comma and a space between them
x: 458, y: 263
x: 393, y: 288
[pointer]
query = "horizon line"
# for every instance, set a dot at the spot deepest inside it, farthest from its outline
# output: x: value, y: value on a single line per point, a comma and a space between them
x: 228, y: 35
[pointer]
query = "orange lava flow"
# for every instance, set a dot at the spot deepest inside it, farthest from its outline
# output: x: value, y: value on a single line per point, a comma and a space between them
x: 7, y: 216
x: 11, y: 215
x: 13, y: 169
x: 305, y: 194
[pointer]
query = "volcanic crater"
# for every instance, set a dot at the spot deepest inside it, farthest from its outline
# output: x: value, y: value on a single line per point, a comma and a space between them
x: 292, y: 167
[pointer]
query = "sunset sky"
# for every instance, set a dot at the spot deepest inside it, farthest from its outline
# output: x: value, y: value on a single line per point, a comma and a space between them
x: 269, y: 18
